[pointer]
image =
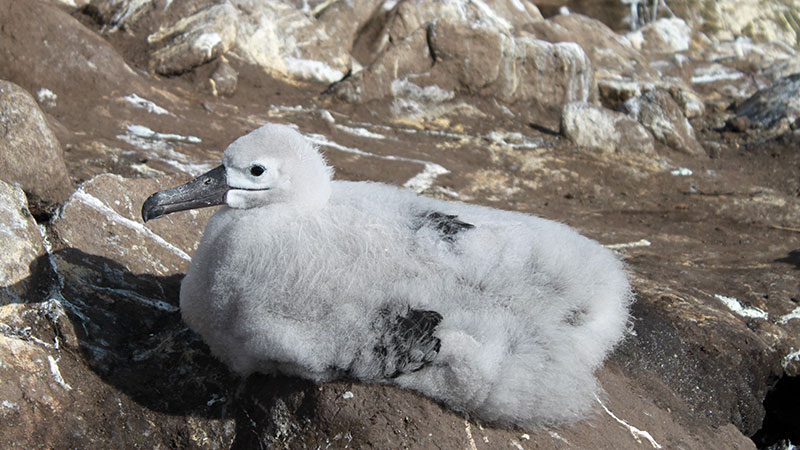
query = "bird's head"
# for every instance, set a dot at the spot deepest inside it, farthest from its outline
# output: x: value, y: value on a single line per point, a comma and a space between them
x: 273, y: 164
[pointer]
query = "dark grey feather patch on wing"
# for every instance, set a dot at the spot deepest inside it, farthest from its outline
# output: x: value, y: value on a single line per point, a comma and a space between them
x: 447, y: 225
x: 407, y: 343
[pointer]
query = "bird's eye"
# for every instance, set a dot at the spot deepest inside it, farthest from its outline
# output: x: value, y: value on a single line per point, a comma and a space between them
x: 256, y: 171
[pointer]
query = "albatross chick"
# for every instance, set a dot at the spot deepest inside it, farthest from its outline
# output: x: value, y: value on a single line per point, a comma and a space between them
x: 498, y: 314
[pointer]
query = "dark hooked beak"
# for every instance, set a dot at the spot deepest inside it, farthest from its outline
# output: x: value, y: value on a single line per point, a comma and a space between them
x: 206, y: 190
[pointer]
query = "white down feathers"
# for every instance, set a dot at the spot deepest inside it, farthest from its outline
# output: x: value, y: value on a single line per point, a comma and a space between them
x: 529, y: 308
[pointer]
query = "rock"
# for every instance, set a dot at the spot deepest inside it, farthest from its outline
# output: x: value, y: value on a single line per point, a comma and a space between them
x: 511, y: 69
x: 223, y: 80
x: 408, y: 16
x: 612, y: 55
x: 478, y: 61
x: 659, y: 113
x: 720, y: 83
x: 344, y: 21
x: 74, y: 4
x: 408, y: 57
x: 103, y: 217
x: 288, y: 43
x: 725, y: 19
x: 114, y: 14
x: 30, y: 155
x: 63, y: 56
x: 194, y: 40
x: 783, y: 68
x: 588, y: 125
x: 739, y: 123
x: 742, y: 52
x: 662, y: 36
x: 778, y: 101
x: 613, y: 93
x: 22, y: 245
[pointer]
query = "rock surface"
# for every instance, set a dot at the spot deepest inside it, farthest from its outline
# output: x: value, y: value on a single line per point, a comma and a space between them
x: 779, y: 101
x: 194, y: 40
x: 587, y: 125
x: 22, y: 244
x: 30, y: 154
x: 659, y: 113
x: 93, y: 353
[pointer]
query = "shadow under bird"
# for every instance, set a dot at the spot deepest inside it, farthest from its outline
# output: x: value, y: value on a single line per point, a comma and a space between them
x: 498, y: 314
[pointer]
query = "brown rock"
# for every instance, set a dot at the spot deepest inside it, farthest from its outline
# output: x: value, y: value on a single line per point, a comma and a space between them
x: 588, y: 125
x: 63, y: 56
x: 194, y: 40
x: 410, y: 56
x: 612, y: 55
x: 659, y: 113
x: 30, y: 155
x: 662, y: 36
x: 223, y: 81
x: 739, y: 123
x: 478, y: 61
x: 104, y: 218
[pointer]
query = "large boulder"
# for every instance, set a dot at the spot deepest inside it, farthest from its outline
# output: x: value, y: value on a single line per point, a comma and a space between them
x: 494, y: 59
x: 194, y: 40
x: 288, y: 43
x: 30, y: 154
x: 62, y: 58
x: 408, y: 16
x: 612, y: 55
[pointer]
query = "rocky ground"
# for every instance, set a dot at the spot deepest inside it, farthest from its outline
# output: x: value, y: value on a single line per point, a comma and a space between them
x: 675, y: 144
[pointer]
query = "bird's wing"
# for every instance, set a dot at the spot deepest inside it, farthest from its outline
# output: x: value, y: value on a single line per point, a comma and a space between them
x: 446, y: 225
x: 406, y: 342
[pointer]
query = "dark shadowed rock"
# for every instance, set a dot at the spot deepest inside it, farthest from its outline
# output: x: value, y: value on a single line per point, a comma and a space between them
x: 194, y: 40
x: 779, y: 101
x: 344, y: 21
x: 594, y: 126
x: 30, y: 155
x: 659, y: 113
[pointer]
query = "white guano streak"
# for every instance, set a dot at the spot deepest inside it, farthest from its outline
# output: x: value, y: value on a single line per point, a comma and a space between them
x: 637, y: 433
x: 736, y: 305
x: 57, y: 373
x: 417, y: 183
x: 101, y: 207
x: 792, y: 315
x: 145, y: 104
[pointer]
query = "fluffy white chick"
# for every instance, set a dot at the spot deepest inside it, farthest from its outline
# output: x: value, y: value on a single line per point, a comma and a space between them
x: 499, y: 314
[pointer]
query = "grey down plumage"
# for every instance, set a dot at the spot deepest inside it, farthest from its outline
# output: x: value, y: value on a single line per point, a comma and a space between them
x: 502, y: 315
